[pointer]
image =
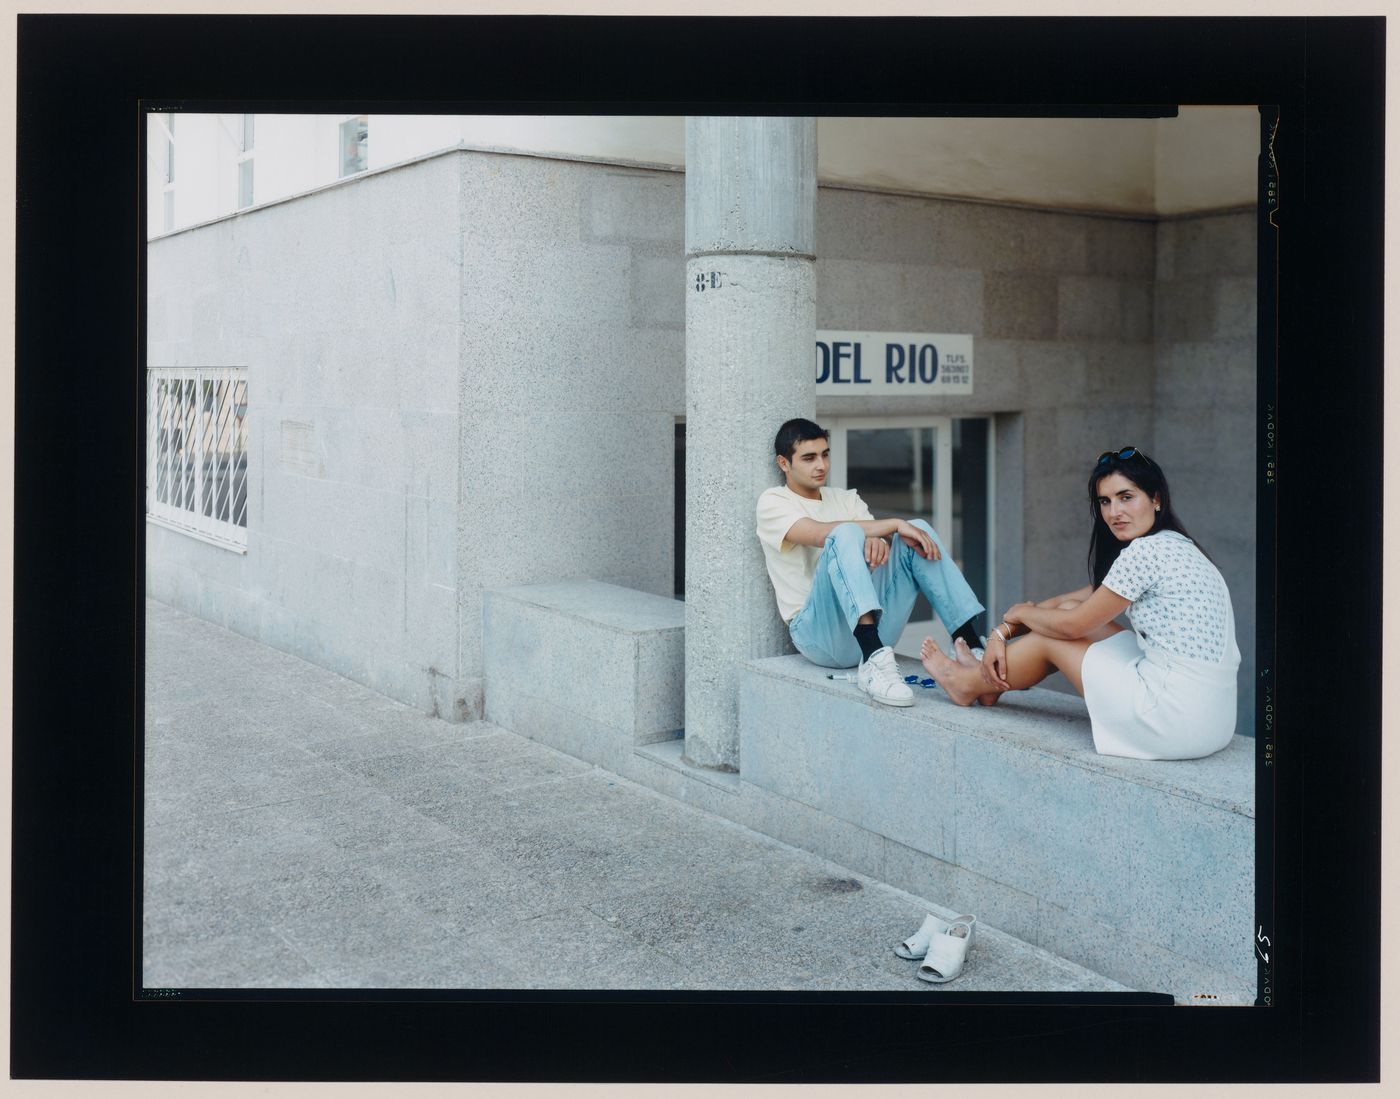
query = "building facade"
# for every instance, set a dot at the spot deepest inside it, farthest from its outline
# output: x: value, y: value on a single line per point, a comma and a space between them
x: 399, y: 362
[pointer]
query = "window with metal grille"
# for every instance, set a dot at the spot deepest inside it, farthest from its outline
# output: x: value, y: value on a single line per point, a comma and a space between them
x: 245, y: 183
x: 197, y: 451
x: 354, y: 145
x: 245, y: 163
x: 167, y: 122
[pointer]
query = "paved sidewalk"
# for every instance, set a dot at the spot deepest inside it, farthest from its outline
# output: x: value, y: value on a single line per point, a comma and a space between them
x: 303, y: 831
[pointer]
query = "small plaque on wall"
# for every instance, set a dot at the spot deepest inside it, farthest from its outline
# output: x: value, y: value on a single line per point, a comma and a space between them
x: 860, y: 364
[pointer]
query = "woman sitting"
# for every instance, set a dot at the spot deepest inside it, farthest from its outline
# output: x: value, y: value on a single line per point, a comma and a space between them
x: 1164, y: 689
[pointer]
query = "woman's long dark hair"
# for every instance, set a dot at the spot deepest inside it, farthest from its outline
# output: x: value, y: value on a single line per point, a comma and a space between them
x: 1142, y: 471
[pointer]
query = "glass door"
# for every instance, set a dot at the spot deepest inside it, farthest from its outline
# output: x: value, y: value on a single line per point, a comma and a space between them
x: 905, y: 468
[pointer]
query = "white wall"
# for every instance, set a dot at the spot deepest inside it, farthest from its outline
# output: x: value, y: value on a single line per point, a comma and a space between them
x: 396, y: 138
x: 155, y: 178
x: 1202, y: 160
x: 346, y: 314
x: 197, y: 171
x: 294, y: 153
x: 1069, y: 163
x: 1207, y: 160
x: 633, y: 139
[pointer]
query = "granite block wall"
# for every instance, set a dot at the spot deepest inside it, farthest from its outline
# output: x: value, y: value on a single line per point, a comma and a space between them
x: 1204, y: 402
x: 573, y: 373
x: 1010, y: 812
x: 342, y: 305
x: 1092, y: 332
x: 1061, y: 308
x: 592, y: 669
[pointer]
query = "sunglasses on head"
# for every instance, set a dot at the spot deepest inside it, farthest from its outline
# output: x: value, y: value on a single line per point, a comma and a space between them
x: 1122, y: 455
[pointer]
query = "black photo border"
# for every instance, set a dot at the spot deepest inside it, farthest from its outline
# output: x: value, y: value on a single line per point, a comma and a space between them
x: 79, y: 583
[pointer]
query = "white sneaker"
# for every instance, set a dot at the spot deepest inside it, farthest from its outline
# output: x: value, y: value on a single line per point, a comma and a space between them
x: 879, y: 678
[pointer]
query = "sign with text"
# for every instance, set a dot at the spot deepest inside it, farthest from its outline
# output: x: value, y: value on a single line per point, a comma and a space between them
x: 859, y: 364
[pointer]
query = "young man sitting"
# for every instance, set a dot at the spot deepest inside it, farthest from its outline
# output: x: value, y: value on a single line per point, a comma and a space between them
x: 846, y: 582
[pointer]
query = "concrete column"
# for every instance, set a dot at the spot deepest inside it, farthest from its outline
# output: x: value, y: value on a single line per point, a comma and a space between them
x: 750, y: 323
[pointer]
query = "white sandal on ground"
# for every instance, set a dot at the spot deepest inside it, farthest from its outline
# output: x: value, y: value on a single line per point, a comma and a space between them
x: 916, y: 946
x: 946, y: 952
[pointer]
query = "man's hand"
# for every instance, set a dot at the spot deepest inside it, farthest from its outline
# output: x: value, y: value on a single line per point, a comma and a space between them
x: 877, y: 552
x: 922, y: 544
x: 994, y: 665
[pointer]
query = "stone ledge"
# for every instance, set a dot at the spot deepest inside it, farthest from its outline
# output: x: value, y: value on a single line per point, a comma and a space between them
x: 591, y: 668
x: 1139, y: 870
x: 623, y: 610
x: 1049, y: 722
x: 1145, y: 866
x: 670, y: 753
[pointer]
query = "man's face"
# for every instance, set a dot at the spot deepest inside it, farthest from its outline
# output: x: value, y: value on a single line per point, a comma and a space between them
x: 806, y: 470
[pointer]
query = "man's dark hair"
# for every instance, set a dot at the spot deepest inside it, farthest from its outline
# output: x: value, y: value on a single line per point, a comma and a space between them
x: 794, y: 432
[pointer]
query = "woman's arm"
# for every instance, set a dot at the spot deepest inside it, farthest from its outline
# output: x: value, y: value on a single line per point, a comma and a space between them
x: 1078, y: 596
x: 1054, y: 602
x: 1016, y: 623
x: 1099, y: 609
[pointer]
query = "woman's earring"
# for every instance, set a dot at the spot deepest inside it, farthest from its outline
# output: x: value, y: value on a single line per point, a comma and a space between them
x: 1157, y: 508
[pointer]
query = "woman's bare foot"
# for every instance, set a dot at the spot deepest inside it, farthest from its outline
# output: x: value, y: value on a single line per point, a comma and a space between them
x: 951, y: 676
x: 967, y: 660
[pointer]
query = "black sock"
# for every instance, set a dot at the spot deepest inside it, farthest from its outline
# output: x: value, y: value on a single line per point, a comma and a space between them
x: 868, y: 638
x: 968, y: 634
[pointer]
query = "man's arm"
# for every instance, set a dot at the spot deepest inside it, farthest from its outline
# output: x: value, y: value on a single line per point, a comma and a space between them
x: 809, y: 532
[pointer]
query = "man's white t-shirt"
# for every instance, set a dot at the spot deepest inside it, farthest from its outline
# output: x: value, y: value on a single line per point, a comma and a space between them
x: 790, y: 566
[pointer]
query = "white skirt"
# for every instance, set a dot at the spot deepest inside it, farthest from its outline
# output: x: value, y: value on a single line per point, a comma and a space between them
x: 1148, y: 704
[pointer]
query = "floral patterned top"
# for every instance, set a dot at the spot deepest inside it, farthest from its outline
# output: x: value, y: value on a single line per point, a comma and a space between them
x: 1180, y: 603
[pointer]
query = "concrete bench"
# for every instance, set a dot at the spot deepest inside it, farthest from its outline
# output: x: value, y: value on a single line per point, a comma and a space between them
x: 588, y: 668
x: 1139, y: 870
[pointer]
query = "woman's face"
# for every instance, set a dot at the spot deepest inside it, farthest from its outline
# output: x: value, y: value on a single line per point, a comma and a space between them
x: 1128, y: 511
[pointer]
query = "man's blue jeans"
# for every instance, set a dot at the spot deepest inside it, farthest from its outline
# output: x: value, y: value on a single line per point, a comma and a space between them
x: 845, y: 587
